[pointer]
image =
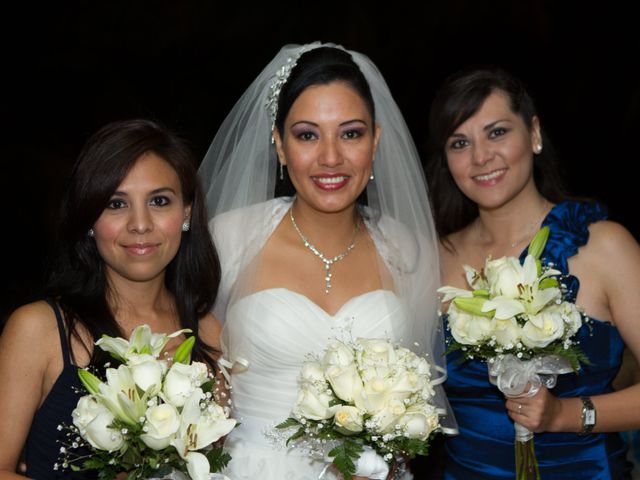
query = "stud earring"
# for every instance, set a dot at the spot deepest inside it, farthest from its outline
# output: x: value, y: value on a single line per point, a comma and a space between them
x: 281, y: 172
x: 186, y: 226
x: 91, y: 233
x: 538, y: 148
x: 371, y: 177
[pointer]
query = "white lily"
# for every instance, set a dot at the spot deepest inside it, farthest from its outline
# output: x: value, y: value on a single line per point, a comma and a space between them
x: 450, y: 293
x: 120, y: 395
x: 475, y: 279
x: 199, y: 428
x: 516, y: 288
x: 142, y: 341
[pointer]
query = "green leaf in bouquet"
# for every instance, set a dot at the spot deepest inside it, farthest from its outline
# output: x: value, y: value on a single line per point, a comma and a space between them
x: 473, y: 305
x: 183, y: 352
x: 209, y: 385
x: 344, y: 457
x: 288, y: 423
x: 536, y: 247
x: 296, y: 435
x: 218, y: 459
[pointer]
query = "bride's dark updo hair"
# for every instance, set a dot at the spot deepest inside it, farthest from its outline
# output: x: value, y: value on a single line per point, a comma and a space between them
x: 322, y: 66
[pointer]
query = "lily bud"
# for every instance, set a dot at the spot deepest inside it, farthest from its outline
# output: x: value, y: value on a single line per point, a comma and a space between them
x: 538, y: 243
x: 473, y: 305
x: 183, y: 352
x: 89, y: 380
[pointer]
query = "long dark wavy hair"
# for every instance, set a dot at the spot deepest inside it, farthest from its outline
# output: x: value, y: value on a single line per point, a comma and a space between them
x: 320, y: 66
x: 460, y: 97
x: 77, y: 280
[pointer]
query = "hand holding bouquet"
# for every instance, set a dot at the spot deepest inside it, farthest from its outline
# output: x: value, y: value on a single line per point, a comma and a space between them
x: 362, y: 395
x: 151, y: 416
x: 517, y: 319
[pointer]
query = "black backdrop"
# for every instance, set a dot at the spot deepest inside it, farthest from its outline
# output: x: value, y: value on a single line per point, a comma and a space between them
x: 70, y: 67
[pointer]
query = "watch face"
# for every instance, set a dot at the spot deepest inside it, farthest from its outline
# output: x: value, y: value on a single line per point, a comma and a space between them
x: 590, y: 417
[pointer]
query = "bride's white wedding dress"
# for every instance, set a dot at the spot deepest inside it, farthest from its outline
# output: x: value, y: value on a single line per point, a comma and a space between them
x: 275, y: 329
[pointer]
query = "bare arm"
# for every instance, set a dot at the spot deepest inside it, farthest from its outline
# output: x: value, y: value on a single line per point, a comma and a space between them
x: 610, y: 270
x: 26, y: 344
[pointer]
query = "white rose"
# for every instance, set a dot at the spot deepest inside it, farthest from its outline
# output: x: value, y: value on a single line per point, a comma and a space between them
x: 375, y: 394
x: 469, y: 329
x: 507, y: 332
x: 161, y: 426
x: 542, y: 329
x: 313, y: 404
x: 376, y: 352
x: 182, y: 380
x: 147, y: 372
x: 337, y: 353
x: 419, y: 421
x: 503, y: 276
x: 87, y: 409
x: 311, y: 372
x: 386, y: 419
x: 345, y: 381
x: 348, y: 419
x: 572, y: 317
x: 93, y: 420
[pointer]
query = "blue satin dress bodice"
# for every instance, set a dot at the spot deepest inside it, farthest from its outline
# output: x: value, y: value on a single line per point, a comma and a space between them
x: 485, y: 447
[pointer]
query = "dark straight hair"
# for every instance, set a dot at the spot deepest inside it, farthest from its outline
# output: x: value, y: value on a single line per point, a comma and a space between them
x: 77, y: 279
x: 460, y: 97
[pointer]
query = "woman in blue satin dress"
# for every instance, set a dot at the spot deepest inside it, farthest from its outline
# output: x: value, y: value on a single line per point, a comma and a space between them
x: 493, y: 184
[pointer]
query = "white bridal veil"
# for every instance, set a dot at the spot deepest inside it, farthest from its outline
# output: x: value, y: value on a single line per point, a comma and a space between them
x: 239, y: 172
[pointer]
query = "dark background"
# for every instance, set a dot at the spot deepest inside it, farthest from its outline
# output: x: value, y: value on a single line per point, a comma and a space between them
x: 69, y: 67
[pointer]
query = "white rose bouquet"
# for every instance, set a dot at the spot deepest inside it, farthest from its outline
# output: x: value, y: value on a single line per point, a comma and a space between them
x: 150, y: 417
x: 361, y: 397
x: 516, y: 319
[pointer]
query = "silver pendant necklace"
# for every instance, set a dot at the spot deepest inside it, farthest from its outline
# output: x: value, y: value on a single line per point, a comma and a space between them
x: 328, y: 262
x: 532, y: 227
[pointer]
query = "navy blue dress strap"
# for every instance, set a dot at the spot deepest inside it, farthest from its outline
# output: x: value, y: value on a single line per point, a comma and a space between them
x: 45, y: 439
x: 64, y: 343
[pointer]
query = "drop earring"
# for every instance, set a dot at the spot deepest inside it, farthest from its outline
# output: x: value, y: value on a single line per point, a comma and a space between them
x: 91, y: 233
x: 281, y: 172
x: 371, y: 177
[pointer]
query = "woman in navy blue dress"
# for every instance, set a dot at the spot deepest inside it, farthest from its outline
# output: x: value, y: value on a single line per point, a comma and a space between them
x: 133, y: 249
x: 494, y: 184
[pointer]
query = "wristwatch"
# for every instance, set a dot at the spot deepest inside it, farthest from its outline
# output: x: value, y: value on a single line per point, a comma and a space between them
x: 588, y: 416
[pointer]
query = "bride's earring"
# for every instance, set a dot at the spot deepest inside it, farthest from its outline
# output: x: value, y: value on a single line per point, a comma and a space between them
x: 281, y: 172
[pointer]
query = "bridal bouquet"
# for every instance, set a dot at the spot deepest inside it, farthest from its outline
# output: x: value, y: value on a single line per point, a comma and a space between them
x: 150, y: 417
x: 516, y: 319
x: 364, y: 396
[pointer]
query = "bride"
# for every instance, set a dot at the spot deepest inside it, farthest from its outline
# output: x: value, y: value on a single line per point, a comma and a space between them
x: 353, y: 247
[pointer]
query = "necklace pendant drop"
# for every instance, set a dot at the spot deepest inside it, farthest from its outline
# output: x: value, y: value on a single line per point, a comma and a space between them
x: 327, y: 261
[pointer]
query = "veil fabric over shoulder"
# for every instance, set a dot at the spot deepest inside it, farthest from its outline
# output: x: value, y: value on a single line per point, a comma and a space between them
x: 240, y: 170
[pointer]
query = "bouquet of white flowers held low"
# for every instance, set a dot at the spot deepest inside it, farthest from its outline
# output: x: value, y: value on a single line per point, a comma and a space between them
x: 151, y: 416
x: 366, y: 394
x: 516, y: 319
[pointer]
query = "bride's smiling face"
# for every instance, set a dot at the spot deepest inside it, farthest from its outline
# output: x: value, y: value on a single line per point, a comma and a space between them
x: 328, y: 143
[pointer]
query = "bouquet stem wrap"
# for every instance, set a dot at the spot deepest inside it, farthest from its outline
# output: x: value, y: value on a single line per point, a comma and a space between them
x: 523, y: 378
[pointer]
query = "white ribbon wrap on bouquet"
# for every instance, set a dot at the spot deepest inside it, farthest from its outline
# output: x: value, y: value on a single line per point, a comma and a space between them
x: 370, y: 465
x: 523, y: 378
x: 176, y: 475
